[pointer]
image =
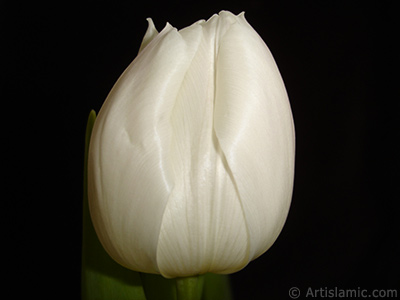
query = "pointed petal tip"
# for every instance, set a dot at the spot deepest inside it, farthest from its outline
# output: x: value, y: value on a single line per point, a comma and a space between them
x: 227, y: 15
x: 150, y: 23
x: 230, y: 14
x: 168, y: 27
x: 150, y: 34
x: 202, y: 21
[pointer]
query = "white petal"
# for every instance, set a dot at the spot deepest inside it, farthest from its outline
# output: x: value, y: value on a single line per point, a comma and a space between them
x: 254, y: 126
x: 203, y: 228
x: 150, y: 34
x: 130, y: 175
x: 192, y: 154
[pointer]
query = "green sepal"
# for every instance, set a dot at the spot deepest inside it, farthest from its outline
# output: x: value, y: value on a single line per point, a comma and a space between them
x: 102, y: 277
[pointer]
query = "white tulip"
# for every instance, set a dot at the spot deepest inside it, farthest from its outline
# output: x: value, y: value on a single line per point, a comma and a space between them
x: 191, y: 158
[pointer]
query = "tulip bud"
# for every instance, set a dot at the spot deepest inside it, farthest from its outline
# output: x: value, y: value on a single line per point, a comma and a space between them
x: 191, y: 159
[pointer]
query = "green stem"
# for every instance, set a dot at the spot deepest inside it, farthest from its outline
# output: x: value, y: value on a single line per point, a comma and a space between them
x: 189, y: 288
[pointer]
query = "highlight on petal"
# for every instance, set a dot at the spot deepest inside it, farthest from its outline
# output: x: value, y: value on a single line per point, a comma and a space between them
x: 254, y: 126
x: 203, y: 217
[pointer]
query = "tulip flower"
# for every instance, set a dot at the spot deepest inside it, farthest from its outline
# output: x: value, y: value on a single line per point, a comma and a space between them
x: 191, y: 158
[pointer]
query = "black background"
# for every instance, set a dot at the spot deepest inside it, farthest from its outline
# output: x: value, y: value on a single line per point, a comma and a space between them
x: 61, y: 60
